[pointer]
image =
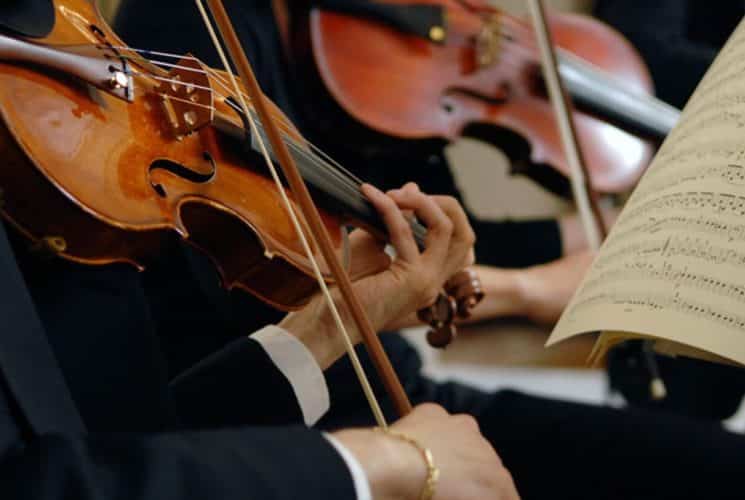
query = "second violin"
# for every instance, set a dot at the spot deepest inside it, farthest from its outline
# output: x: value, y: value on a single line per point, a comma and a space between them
x: 479, y: 74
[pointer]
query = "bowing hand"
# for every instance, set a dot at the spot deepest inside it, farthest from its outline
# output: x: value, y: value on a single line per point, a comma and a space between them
x: 469, y: 467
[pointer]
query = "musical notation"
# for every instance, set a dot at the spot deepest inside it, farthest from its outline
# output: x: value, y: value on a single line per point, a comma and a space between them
x: 720, y: 203
x: 675, y: 277
x: 691, y: 248
x: 691, y: 224
x: 663, y: 302
x: 674, y: 264
x: 731, y: 174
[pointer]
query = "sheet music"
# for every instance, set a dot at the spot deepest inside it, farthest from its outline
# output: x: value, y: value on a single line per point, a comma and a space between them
x: 674, y: 263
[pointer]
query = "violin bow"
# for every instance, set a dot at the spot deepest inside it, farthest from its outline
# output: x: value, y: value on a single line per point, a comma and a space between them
x: 584, y: 197
x: 460, y: 294
x: 309, y: 211
x: 587, y: 205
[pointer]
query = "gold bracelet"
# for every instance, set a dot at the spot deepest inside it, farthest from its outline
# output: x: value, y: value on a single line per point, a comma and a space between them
x: 433, y: 473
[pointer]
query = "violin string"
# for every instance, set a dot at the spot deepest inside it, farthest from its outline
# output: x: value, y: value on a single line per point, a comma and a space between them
x: 301, y: 153
x: 145, y: 53
x: 185, y: 101
x: 317, y: 150
x: 221, y: 81
x: 374, y: 405
x: 339, y: 186
x: 529, y: 50
x: 521, y: 48
x: 347, y: 181
x: 529, y: 45
x: 341, y: 183
x: 178, y: 82
x: 351, y: 187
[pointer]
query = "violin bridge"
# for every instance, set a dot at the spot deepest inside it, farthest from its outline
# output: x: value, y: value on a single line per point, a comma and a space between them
x: 187, y: 97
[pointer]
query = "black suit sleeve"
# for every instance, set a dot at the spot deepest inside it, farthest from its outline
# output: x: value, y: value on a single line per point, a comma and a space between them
x: 230, y: 464
x: 238, y: 385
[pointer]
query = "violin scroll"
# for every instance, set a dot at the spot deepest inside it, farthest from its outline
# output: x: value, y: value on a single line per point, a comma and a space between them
x: 460, y: 294
x: 466, y: 288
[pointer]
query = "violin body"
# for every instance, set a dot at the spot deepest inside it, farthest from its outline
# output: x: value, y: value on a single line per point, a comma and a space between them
x: 391, y: 84
x: 95, y: 179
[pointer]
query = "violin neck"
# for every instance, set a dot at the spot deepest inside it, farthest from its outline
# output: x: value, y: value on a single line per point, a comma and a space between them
x: 344, y: 196
x: 610, y: 99
x: 337, y: 188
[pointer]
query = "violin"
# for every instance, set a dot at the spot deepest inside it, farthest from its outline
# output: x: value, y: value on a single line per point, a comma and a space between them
x: 105, y: 153
x: 478, y: 74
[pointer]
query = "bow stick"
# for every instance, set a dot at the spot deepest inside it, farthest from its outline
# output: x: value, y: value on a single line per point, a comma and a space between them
x: 318, y: 230
x: 460, y: 294
x: 587, y: 206
x: 589, y: 211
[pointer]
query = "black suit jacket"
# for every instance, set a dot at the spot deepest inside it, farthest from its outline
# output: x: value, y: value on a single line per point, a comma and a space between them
x: 117, y: 430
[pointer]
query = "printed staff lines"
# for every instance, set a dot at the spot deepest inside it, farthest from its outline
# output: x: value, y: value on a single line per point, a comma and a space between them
x: 717, y: 117
x: 716, y: 100
x: 701, y: 249
x: 688, y: 247
x: 717, y: 203
x: 714, y: 150
x: 678, y: 277
x: 700, y: 224
x: 731, y: 174
x: 662, y: 302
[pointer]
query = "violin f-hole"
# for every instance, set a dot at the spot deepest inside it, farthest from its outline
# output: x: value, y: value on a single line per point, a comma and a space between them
x: 181, y: 171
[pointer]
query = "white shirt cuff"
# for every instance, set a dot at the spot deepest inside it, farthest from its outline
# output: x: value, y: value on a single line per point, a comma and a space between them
x: 359, y: 478
x: 300, y: 368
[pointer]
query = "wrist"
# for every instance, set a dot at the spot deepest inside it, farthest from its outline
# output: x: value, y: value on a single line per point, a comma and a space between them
x: 522, y: 296
x: 395, y: 469
x: 505, y: 293
x: 432, y: 472
x: 311, y: 327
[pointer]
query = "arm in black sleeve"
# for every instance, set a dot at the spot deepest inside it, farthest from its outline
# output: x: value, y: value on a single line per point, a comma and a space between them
x: 229, y: 464
x: 224, y: 389
x: 659, y: 31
